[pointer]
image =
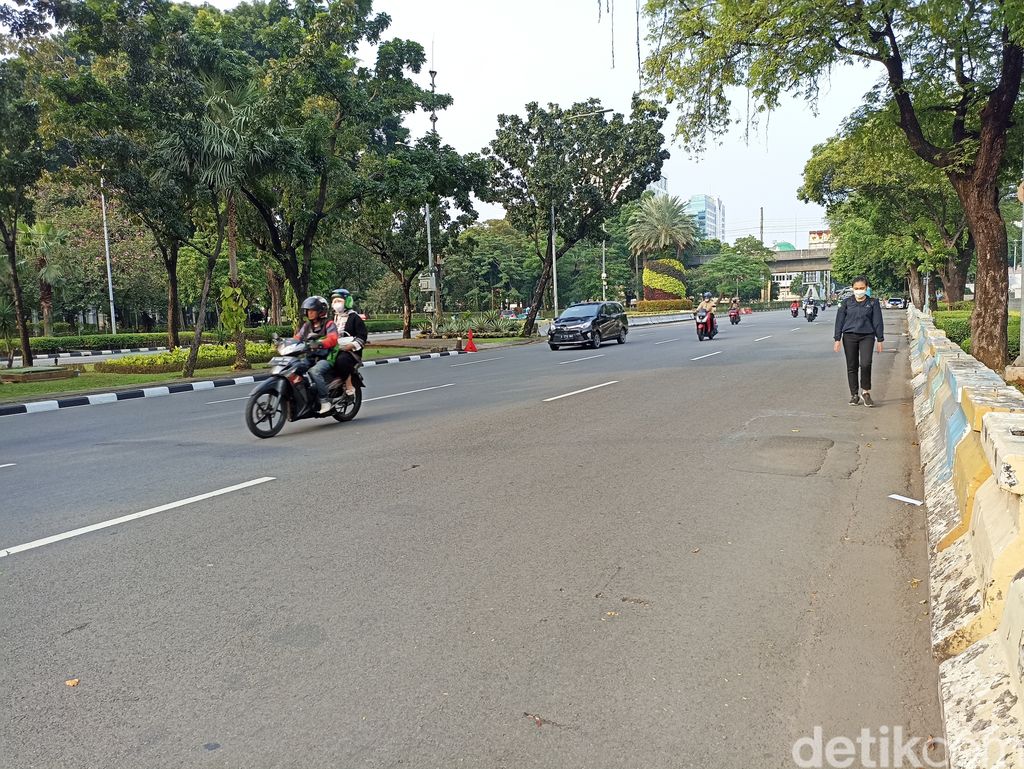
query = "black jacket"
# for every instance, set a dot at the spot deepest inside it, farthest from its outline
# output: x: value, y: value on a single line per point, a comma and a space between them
x: 860, y: 318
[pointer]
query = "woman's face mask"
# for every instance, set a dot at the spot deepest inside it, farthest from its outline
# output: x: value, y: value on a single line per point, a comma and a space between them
x: 338, y: 305
x: 860, y: 293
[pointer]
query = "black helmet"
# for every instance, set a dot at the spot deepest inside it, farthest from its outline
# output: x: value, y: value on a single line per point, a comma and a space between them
x: 317, y: 303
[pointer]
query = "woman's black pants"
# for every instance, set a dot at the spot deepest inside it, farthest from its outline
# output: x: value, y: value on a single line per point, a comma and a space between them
x: 345, y: 364
x: 858, y: 349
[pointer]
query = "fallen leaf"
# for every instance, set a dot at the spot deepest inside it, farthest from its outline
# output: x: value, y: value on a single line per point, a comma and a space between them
x: 794, y: 431
x: 611, y: 614
x: 915, y: 582
x: 695, y: 550
x: 71, y: 682
x: 924, y: 601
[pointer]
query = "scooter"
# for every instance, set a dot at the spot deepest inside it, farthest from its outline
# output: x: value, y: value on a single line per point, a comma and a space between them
x: 706, y: 326
x: 290, y: 394
x: 794, y: 311
x: 810, y: 312
x: 734, y: 316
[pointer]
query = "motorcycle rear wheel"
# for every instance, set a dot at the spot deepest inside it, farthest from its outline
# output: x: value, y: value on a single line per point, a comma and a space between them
x: 346, y: 411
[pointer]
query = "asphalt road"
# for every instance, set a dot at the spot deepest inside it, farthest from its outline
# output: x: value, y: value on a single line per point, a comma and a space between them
x: 693, y: 564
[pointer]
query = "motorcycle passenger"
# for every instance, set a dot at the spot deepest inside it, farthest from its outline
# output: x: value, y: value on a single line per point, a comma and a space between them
x: 353, y: 337
x: 734, y: 304
x: 709, y: 305
x: 326, y: 332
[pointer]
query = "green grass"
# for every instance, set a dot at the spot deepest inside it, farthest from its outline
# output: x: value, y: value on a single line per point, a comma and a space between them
x: 90, y: 381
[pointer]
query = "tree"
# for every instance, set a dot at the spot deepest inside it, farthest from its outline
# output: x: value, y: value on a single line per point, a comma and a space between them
x: 587, y: 167
x: 22, y: 160
x: 338, y: 112
x: 44, y: 243
x: 868, y: 160
x: 658, y: 223
x: 952, y: 74
x: 734, y: 272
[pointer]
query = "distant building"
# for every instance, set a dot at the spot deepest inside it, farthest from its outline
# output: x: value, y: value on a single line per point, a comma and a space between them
x: 709, y: 213
x: 659, y: 187
x: 813, y: 267
x: 820, y: 239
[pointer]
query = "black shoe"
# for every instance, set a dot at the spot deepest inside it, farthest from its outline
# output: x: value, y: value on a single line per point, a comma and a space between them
x: 866, y: 397
x: 854, y: 400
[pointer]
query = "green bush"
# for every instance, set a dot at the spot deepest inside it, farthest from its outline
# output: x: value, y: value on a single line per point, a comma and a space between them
x: 665, y: 275
x: 210, y: 356
x: 957, y: 325
x: 969, y: 306
x: 663, y: 305
x: 766, y: 306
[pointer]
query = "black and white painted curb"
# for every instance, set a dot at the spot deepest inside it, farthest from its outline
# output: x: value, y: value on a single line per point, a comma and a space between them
x: 156, y: 392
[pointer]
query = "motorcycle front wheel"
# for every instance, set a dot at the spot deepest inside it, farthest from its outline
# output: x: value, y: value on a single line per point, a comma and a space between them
x: 345, y: 410
x: 266, y: 413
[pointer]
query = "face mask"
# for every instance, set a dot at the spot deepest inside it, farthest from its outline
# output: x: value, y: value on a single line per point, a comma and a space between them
x: 338, y: 306
x: 860, y: 293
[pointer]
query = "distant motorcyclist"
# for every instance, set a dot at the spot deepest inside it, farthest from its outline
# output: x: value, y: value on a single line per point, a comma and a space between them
x: 352, y: 340
x: 322, y: 335
x: 709, y: 305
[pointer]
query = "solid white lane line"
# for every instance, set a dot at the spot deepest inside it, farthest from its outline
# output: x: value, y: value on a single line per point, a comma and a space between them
x: 702, y: 357
x: 667, y: 341
x: 577, y: 392
x: 795, y: 329
x: 227, y: 400
x: 408, y: 392
x: 9, y: 464
x: 763, y: 338
x: 125, y: 518
x: 474, y: 362
x: 577, y: 360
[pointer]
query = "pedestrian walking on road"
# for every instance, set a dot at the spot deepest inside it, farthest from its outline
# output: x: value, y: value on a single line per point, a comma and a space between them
x: 858, y: 330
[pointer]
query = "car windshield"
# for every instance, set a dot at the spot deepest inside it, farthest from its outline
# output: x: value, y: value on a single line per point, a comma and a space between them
x: 578, y: 313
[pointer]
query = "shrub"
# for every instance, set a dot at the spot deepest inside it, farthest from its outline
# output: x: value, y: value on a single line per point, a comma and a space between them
x: 663, y: 305
x: 210, y: 356
x: 968, y: 305
x: 665, y: 275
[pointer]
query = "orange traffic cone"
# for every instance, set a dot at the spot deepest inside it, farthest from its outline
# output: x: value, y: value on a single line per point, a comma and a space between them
x: 470, y: 347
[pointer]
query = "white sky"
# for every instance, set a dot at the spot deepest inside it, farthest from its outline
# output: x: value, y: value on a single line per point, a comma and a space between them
x: 494, y: 56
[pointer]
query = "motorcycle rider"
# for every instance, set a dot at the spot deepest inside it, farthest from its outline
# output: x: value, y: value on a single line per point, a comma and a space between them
x: 325, y: 331
x: 708, y: 305
x: 734, y: 304
x: 353, y: 337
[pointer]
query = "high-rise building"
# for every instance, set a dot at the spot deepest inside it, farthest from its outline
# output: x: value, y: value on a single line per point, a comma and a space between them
x: 709, y: 213
x: 659, y: 187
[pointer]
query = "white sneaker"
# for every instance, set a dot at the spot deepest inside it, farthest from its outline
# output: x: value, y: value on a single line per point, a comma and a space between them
x: 325, y: 407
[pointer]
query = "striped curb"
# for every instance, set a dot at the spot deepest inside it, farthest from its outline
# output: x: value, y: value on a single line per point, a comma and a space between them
x: 155, y: 392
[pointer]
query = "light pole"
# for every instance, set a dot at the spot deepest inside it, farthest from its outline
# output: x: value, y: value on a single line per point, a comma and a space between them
x: 106, y: 248
x: 554, y: 255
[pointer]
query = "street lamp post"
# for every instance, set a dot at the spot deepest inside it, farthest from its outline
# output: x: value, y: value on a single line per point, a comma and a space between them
x: 106, y: 248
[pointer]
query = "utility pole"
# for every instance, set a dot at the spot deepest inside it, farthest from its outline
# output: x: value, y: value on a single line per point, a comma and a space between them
x: 106, y: 248
x: 434, y: 269
x: 762, y: 225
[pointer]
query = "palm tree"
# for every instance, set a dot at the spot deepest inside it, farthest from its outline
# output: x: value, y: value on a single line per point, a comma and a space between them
x: 660, y: 222
x: 43, y: 241
x: 231, y: 146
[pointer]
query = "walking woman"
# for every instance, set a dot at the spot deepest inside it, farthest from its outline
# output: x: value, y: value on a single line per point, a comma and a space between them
x: 858, y: 328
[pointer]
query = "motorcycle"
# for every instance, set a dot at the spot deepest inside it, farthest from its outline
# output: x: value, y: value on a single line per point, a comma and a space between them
x: 810, y: 312
x: 706, y: 326
x: 734, y: 316
x: 794, y: 311
x: 290, y: 394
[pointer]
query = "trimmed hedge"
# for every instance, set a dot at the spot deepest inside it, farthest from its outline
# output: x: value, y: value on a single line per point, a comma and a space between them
x: 665, y: 275
x: 210, y: 356
x: 957, y: 325
x: 663, y: 305
x: 49, y: 344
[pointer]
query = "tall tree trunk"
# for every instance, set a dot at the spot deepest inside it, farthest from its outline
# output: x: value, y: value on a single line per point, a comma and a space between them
x: 169, y: 255
x: 933, y: 300
x: 275, y: 288
x: 19, y: 300
x: 991, y: 291
x: 241, y: 361
x: 406, y: 307
x: 954, y: 279
x: 916, y: 287
x: 193, y: 351
x: 538, y: 295
x: 45, y: 302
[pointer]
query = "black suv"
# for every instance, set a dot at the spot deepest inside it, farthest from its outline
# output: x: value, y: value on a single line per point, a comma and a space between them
x: 589, y: 323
